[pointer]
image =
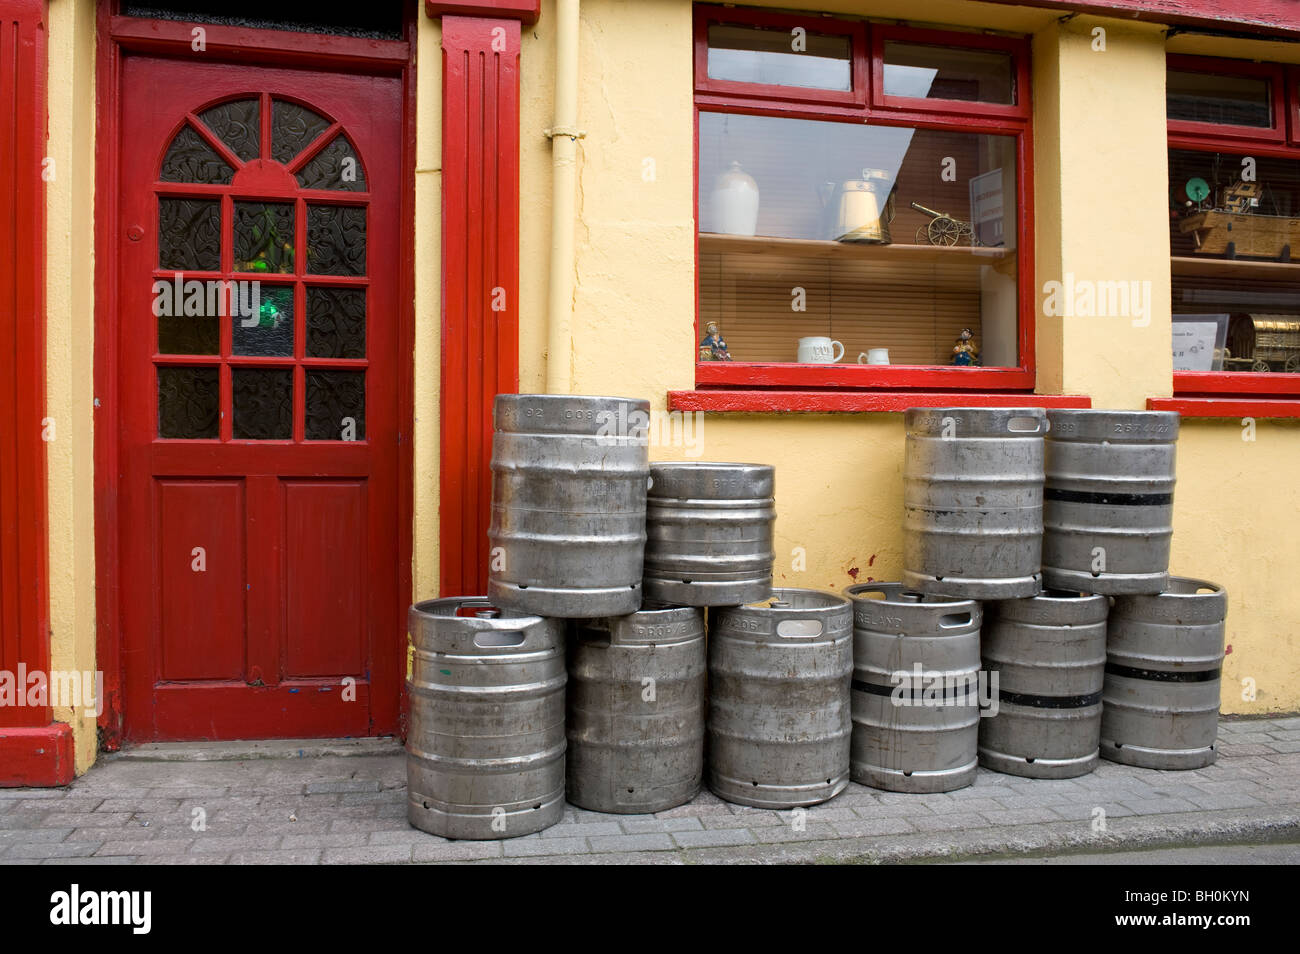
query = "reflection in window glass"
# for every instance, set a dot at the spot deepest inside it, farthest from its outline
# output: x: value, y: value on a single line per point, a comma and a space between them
x: 1214, y: 98
x: 1228, y: 215
x: 745, y: 54
x: 850, y: 232
x: 920, y: 71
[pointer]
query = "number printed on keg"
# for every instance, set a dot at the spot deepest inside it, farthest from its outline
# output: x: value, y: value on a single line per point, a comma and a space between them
x: 1149, y: 427
x: 937, y: 421
x: 579, y: 414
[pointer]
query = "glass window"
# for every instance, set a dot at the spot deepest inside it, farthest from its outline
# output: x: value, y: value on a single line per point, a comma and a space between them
x: 1215, y: 98
x: 1234, y: 232
x: 896, y: 245
x: 748, y: 54
x: 922, y: 71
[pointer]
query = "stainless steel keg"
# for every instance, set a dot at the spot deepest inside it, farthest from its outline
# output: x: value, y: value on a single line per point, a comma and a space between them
x: 1049, y: 652
x: 1108, y: 500
x: 485, y: 742
x: 567, y: 533
x: 636, y: 701
x: 1164, y: 656
x: 779, y: 722
x: 916, y: 694
x: 709, y: 533
x: 973, y: 501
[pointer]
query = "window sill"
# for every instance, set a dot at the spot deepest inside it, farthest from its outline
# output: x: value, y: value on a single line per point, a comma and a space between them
x: 1227, y: 406
x: 757, y: 401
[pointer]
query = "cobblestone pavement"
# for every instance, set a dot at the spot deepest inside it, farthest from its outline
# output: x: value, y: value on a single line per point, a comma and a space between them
x: 342, y: 809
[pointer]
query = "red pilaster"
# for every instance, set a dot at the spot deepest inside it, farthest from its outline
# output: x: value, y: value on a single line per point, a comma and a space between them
x: 480, y: 278
x: 33, y: 749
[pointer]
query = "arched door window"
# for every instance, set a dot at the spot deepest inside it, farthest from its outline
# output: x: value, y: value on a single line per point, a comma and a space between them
x: 261, y: 282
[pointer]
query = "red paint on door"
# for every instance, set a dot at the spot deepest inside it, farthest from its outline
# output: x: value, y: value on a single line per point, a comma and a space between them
x: 259, y: 488
x: 480, y: 279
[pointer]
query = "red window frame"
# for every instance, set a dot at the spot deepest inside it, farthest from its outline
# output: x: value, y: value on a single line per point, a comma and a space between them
x: 1234, y: 393
x: 742, y: 385
x: 1278, y: 90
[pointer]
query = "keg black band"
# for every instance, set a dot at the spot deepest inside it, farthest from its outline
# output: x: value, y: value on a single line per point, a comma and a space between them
x: 1161, y: 675
x: 1108, y: 499
x: 917, y: 693
x: 1049, y: 702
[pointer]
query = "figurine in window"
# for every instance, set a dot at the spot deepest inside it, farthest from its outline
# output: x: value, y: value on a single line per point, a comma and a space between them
x: 712, y: 347
x: 964, y: 352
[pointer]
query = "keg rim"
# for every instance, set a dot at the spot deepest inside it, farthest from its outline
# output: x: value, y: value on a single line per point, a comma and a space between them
x: 1091, y: 421
x: 852, y: 594
x: 830, y: 601
x: 508, y: 619
x: 558, y: 398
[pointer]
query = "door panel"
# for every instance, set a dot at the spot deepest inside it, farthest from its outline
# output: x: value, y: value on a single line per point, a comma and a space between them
x: 326, y: 585
x: 257, y: 352
x: 201, y: 575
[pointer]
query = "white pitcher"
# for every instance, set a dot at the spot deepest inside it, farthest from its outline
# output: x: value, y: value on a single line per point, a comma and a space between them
x: 818, y: 350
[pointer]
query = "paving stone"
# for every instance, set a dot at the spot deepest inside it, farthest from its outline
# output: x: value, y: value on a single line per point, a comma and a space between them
x: 586, y: 829
x: 950, y: 822
x: 899, y: 810
x: 649, y: 842
x: 1020, y: 816
x: 755, y: 818
x: 1159, y: 806
x: 1287, y: 746
x: 85, y: 819
x: 40, y: 849
x: 1228, y: 751
x: 343, y: 785
x: 411, y: 836
x: 715, y: 838
x: 349, y: 839
x: 696, y: 809
x: 94, y: 860
x: 160, y: 846
x: 367, y: 855
x: 67, y: 804
x: 862, y: 827
x: 13, y: 836
x: 278, y: 857
x: 457, y: 850
x: 646, y: 826
x: 1221, y: 802
x: 814, y: 832
x: 518, y: 847
x: 215, y: 858
x: 22, y: 820
x: 205, y: 844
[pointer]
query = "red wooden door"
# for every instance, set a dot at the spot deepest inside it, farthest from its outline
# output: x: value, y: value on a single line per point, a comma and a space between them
x: 258, y: 419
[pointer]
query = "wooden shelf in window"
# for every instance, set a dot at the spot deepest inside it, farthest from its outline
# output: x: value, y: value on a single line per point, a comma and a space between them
x: 1001, y: 258
x: 1193, y: 267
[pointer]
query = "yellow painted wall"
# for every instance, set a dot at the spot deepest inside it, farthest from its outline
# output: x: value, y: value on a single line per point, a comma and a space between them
x: 70, y: 339
x: 1100, y: 185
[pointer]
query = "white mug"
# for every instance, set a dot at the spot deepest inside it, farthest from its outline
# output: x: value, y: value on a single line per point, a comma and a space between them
x: 819, y: 351
x: 874, y: 356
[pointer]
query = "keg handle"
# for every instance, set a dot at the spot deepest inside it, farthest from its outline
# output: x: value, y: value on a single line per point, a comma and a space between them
x: 952, y: 620
x: 499, y: 638
x: 1025, y: 425
x: 799, y: 628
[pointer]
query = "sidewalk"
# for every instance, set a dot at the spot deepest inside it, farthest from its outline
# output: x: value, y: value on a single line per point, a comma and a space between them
x: 344, y: 802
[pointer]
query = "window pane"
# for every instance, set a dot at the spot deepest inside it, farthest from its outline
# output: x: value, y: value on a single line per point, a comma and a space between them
x: 189, y: 234
x: 854, y: 233
x: 269, y: 330
x: 336, y: 405
x: 334, y: 167
x: 188, y: 399
x: 1234, y: 231
x: 939, y: 72
x: 293, y: 128
x: 263, y: 237
x: 745, y: 54
x: 190, y: 159
x: 336, y: 322
x: 336, y: 240
x: 237, y: 124
x: 263, y: 400
x: 1212, y: 98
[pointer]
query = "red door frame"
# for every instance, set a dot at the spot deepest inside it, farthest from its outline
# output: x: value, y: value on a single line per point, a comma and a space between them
x: 34, y: 750
x: 115, y: 36
x: 480, y: 269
